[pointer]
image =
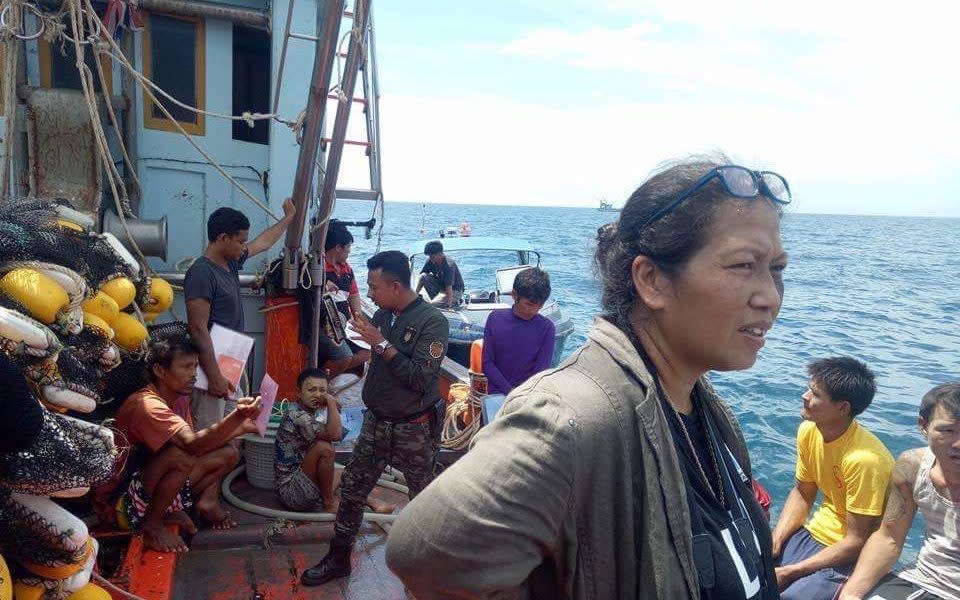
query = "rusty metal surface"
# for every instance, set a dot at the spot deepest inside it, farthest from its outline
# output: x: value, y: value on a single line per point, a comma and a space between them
x: 64, y: 162
x: 237, y: 565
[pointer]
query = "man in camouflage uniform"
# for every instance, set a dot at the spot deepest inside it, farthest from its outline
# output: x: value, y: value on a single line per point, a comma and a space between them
x: 401, y: 426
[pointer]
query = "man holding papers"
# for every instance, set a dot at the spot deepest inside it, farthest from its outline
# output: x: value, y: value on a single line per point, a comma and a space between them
x: 176, y: 470
x: 211, y: 290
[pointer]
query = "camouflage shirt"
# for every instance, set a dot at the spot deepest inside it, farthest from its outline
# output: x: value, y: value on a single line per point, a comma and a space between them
x: 298, y: 429
x: 410, y: 381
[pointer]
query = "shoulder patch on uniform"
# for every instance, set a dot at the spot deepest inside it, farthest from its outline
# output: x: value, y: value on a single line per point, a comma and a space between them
x: 436, y: 349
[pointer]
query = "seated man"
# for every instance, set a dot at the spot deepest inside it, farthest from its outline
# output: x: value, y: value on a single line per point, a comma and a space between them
x: 182, y: 468
x: 929, y: 479
x: 849, y: 465
x: 338, y: 358
x: 440, y: 277
x: 304, y: 446
x: 305, y: 465
x: 518, y: 341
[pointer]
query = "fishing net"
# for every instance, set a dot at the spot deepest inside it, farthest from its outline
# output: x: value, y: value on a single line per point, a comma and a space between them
x: 75, y: 373
x: 93, y: 350
x: 30, y: 213
x: 27, y: 536
x: 67, y: 454
x: 129, y: 376
x: 166, y: 330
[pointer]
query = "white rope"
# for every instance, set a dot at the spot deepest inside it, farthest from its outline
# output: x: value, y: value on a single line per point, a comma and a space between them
x: 11, y: 60
x: 106, y: 583
x: 455, y: 437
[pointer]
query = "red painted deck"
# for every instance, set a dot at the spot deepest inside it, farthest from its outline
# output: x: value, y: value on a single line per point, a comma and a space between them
x: 238, y: 565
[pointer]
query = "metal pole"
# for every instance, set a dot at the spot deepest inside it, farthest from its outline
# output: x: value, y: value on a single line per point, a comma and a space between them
x: 361, y: 11
x: 329, y: 15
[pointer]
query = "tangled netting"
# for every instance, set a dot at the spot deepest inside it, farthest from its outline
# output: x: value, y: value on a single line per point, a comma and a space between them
x: 67, y: 454
x: 29, y: 231
x: 74, y: 371
x: 26, y: 536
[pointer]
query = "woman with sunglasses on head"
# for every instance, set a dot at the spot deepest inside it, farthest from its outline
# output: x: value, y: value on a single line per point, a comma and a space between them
x: 620, y: 474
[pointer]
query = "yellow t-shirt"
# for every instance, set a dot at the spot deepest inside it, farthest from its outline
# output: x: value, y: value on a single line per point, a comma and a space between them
x: 853, y: 473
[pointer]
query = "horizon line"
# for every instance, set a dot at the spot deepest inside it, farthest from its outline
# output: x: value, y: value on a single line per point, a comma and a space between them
x: 617, y: 209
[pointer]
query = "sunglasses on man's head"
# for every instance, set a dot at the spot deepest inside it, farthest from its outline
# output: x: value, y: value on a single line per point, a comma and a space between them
x: 739, y: 182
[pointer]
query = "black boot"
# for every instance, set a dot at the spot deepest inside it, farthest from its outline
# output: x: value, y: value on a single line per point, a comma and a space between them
x: 335, y: 564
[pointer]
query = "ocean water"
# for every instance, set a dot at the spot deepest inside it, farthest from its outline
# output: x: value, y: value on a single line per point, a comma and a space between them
x: 883, y: 289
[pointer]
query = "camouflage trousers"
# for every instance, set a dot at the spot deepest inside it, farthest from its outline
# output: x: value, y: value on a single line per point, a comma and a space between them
x: 407, y: 447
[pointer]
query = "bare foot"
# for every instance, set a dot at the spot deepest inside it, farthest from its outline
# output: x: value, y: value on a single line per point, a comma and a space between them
x: 380, y: 507
x: 182, y: 519
x: 215, y: 515
x: 157, y: 537
x: 333, y: 506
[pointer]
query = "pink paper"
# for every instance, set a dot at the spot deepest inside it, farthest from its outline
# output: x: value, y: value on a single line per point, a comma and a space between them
x: 268, y: 395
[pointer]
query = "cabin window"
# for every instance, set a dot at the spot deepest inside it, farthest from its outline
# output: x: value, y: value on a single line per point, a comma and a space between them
x: 251, y: 82
x: 173, y: 58
x: 58, y: 66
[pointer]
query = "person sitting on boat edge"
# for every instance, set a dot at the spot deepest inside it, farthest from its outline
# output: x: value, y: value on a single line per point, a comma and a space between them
x: 179, y: 468
x: 211, y: 290
x: 927, y: 479
x: 840, y: 458
x: 621, y: 474
x: 338, y: 358
x: 440, y: 277
x: 404, y: 415
x: 518, y: 342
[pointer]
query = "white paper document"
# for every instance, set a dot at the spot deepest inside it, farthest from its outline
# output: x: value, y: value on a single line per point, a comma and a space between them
x: 232, y: 350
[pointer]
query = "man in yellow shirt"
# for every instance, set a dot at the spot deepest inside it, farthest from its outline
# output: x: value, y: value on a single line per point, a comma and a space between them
x: 838, y: 457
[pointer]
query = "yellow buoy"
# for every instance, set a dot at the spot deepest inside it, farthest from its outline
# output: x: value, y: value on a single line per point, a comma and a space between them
x: 129, y: 333
x: 22, y: 591
x: 65, y: 224
x: 90, y: 592
x: 161, y: 295
x: 39, y: 294
x: 97, y: 324
x: 121, y: 289
x: 103, y: 306
x: 6, y: 585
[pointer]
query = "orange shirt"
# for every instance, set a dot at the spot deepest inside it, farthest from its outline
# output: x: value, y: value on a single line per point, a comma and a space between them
x: 145, y: 418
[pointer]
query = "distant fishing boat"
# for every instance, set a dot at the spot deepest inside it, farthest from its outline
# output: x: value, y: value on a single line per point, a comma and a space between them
x: 607, y: 207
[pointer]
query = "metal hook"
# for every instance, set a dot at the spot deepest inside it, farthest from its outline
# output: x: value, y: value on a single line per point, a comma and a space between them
x: 23, y: 36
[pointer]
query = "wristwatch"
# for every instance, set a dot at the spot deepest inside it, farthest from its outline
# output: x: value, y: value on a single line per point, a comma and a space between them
x: 382, y: 347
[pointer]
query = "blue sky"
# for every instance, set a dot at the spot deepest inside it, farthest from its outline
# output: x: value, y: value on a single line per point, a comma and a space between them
x: 562, y: 102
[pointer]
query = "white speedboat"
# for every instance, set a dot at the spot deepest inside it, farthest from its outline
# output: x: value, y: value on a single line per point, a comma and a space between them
x: 489, y: 279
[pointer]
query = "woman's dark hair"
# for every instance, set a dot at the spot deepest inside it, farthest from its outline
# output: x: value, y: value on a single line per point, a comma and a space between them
x: 337, y: 235
x: 946, y: 395
x: 433, y: 248
x: 669, y: 242
x: 309, y: 372
x: 226, y: 220
x: 845, y: 379
x: 532, y: 284
x: 163, y: 350
x: 393, y: 264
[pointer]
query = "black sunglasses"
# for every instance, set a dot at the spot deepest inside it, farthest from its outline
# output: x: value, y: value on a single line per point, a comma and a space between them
x: 739, y: 182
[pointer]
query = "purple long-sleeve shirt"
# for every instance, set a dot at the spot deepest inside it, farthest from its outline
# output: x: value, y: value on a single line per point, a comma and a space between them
x: 515, y: 349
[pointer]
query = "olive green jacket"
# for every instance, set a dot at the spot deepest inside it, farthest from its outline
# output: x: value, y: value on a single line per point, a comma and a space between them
x: 574, y: 491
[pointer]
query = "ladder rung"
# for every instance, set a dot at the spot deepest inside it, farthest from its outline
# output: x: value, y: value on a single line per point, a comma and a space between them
x: 355, y: 194
x: 348, y: 14
x: 348, y: 142
x: 357, y: 100
x: 303, y: 36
